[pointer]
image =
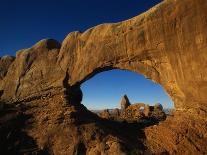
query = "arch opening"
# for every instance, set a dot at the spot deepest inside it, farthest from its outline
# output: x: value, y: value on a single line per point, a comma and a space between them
x: 104, y: 89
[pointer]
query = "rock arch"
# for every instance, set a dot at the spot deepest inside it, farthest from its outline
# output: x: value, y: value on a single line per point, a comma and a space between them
x: 151, y: 44
x: 167, y: 44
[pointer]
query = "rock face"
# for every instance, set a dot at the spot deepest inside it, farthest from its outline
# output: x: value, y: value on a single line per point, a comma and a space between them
x: 33, y: 72
x: 135, y: 113
x: 5, y: 62
x: 167, y: 44
x: 125, y: 102
x: 132, y: 112
x: 116, y: 112
x: 158, y: 107
x: 147, y: 110
x: 105, y: 114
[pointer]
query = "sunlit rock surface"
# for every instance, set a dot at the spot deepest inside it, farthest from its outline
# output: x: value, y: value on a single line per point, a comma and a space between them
x: 134, y: 112
x: 167, y: 44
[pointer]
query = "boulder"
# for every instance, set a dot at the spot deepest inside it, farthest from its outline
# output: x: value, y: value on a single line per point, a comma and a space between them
x: 158, y: 107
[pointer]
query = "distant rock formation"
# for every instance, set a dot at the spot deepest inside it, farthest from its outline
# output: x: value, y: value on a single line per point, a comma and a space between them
x: 158, y: 112
x: 147, y: 110
x: 125, y: 102
x: 158, y: 107
x: 133, y: 112
x: 116, y: 112
x: 105, y: 114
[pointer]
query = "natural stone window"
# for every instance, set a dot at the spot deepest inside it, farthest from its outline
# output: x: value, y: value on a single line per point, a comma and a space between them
x: 105, y: 89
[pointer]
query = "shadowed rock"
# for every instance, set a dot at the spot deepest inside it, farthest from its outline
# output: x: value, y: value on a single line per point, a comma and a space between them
x: 116, y: 112
x: 5, y: 62
x: 125, y: 102
x: 167, y: 44
x: 105, y: 114
x: 158, y: 107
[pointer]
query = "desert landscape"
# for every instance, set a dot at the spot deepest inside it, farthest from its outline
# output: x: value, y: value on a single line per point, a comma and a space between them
x: 41, y: 110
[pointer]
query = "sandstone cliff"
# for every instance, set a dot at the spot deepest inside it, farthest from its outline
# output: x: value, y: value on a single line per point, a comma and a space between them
x: 167, y: 44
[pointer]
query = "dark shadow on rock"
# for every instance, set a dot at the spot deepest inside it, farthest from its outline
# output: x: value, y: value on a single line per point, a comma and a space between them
x: 13, y: 138
x: 1, y: 93
x: 81, y: 149
x: 130, y: 133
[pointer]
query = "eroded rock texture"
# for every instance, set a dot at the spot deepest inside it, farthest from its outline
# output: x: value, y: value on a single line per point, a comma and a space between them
x: 167, y: 44
x: 5, y: 62
x: 137, y: 112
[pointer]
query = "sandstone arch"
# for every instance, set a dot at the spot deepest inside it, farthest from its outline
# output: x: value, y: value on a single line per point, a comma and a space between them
x: 167, y: 44
x: 145, y: 45
x: 142, y: 44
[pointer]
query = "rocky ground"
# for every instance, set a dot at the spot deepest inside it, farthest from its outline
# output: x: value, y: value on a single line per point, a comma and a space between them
x: 13, y: 136
x: 41, y: 86
x: 65, y: 129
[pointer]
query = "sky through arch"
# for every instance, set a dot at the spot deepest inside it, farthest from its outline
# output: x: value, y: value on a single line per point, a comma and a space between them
x: 104, y: 90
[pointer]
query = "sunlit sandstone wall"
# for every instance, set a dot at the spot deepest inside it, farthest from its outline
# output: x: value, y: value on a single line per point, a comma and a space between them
x: 166, y: 44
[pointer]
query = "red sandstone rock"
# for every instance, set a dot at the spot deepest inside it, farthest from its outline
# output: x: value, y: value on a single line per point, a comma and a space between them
x: 5, y: 62
x: 147, y: 110
x: 124, y: 102
x: 105, y: 114
x: 167, y: 44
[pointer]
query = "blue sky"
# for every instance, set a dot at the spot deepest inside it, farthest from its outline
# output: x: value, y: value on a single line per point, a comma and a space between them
x: 106, y: 89
x: 24, y: 22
